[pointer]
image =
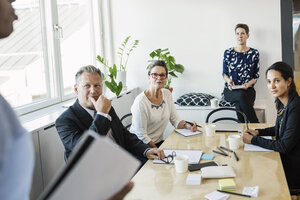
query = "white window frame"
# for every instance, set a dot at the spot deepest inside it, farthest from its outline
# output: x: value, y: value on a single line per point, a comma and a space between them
x: 52, y: 53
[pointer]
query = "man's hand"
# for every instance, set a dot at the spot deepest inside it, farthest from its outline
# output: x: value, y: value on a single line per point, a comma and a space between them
x: 155, y: 153
x: 122, y: 193
x: 102, y: 104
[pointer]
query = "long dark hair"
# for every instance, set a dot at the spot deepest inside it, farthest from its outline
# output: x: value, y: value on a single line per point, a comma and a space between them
x: 286, y: 72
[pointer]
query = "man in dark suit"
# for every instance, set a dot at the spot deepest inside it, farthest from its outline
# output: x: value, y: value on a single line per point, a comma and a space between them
x: 94, y: 111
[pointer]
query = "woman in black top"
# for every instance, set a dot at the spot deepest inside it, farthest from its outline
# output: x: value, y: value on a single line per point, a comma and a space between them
x: 287, y: 129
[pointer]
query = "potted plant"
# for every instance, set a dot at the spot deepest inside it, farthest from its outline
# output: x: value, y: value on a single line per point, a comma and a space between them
x: 117, y: 74
x: 173, y: 67
x: 124, y: 51
x: 112, y: 74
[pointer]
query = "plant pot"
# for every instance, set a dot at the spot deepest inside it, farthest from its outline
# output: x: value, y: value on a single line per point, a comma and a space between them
x: 121, y: 76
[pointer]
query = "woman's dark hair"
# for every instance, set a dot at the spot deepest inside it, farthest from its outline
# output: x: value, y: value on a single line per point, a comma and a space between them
x: 286, y: 72
x: 244, y: 26
x: 159, y: 63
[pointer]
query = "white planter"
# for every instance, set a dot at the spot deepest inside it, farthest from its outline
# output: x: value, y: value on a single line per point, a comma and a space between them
x: 121, y: 76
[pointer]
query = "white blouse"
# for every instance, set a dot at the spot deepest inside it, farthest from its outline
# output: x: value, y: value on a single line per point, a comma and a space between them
x: 149, y: 120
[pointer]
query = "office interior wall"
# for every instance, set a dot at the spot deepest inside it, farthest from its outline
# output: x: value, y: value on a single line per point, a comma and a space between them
x: 197, y: 32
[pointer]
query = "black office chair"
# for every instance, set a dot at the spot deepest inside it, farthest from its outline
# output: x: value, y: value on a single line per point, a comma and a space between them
x: 126, y: 120
x: 227, y: 118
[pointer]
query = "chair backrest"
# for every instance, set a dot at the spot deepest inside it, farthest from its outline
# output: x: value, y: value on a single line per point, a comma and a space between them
x: 126, y: 120
x: 226, y: 118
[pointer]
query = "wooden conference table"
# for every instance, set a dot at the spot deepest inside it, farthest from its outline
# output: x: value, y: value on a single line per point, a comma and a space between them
x: 263, y: 169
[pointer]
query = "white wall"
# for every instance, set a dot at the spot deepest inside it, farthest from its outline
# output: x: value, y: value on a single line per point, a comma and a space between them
x: 197, y: 32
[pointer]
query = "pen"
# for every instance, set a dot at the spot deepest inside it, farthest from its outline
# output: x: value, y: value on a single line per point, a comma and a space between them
x: 193, y: 124
x: 237, y: 158
x: 222, y: 151
x: 244, y: 195
x: 218, y: 152
x: 226, y: 149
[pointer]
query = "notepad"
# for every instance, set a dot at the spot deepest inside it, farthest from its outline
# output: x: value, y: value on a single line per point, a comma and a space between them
x: 207, y: 156
x: 236, y: 87
x: 217, y: 196
x: 252, y: 147
x: 193, y: 179
x: 187, y: 132
x: 227, y: 184
x: 194, y: 155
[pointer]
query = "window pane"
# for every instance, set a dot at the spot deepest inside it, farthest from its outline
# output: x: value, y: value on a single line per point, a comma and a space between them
x: 22, y: 70
x: 76, y: 48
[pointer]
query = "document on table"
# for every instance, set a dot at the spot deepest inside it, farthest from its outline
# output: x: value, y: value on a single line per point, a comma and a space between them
x: 96, y: 174
x: 252, y: 147
x: 194, y: 155
x: 187, y: 132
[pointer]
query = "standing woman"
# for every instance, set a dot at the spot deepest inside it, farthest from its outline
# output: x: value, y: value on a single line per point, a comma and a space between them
x: 280, y: 81
x: 154, y: 108
x: 240, y: 67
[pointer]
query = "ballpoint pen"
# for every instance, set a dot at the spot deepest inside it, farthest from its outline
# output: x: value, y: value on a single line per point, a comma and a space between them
x: 222, y: 151
x: 193, y: 124
x: 244, y: 195
x: 237, y: 158
x: 226, y: 149
x: 218, y: 152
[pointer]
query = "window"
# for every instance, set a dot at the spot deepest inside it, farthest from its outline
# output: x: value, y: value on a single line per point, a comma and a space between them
x: 76, y: 44
x: 51, y: 41
x: 22, y: 68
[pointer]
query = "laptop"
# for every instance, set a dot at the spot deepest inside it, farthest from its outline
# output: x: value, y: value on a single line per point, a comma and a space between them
x: 229, y: 127
x: 95, y: 170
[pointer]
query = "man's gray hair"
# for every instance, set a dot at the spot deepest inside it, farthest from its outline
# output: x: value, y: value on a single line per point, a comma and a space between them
x: 89, y: 69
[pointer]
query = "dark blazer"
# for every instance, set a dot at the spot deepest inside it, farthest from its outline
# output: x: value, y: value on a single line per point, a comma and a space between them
x: 288, y: 142
x: 75, y: 120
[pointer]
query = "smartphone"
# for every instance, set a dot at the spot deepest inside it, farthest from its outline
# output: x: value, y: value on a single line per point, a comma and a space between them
x: 195, y: 167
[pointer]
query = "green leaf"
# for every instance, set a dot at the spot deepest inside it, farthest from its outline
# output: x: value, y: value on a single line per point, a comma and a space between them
x: 109, y: 85
x: 114, y: 71
x: 179, y: 68
x: 119, y: 88
x: 152, y: 54
x: 173, y: 74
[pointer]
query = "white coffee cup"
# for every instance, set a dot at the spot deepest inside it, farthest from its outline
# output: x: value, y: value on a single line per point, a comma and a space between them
x: 181, y: 163
x: 214, y: 103
x: 234, y: 141
x: 210, y: 129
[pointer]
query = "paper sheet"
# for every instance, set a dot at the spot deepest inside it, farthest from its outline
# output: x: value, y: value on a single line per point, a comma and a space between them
x: 252, y: 191
x: 187, y: 132
x: 252, y: 147
x: 194, y: 155
x: 193, y: 179
x: 217, y: 196
x: 104, y: 169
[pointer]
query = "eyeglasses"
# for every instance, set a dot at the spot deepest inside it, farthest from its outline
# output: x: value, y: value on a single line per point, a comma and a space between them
x: 168, y: 159
x: 156, y: 75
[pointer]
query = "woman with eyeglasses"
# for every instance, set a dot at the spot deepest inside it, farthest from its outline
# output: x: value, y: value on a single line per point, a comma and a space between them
x: 240, y: 68
x: 280, y: 82
x: 154, y: 108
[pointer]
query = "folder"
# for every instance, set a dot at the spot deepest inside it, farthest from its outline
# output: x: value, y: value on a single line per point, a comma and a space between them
x: 96, y: 169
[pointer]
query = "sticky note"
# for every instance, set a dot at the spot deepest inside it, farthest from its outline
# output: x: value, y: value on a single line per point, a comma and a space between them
x: 207, y: 156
